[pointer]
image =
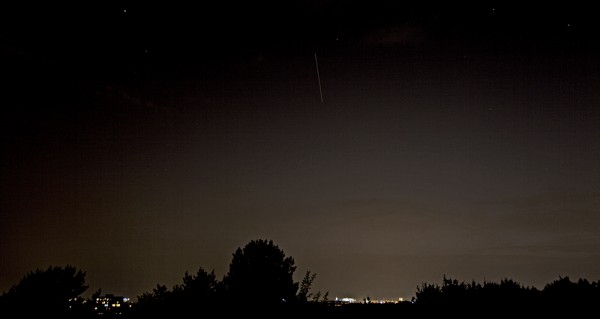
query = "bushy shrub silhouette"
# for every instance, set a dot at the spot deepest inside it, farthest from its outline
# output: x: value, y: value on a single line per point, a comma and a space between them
x: 261, y: 273
x: 54, y: 291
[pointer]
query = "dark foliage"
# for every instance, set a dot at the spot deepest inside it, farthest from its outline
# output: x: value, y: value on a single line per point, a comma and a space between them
x: 305, y: 284
x: 53, y: 292
x: 261, y: 273
x: 260, y: 284
x: 304, y: 295
x: 190, y: 299
x: 259, y: 281
x: 508, y: 297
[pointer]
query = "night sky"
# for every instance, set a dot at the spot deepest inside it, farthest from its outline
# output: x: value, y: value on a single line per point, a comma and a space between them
x: 140, y: 141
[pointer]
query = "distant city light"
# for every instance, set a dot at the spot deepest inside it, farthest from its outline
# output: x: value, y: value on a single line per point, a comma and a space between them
x: 111, y: 304
x: 349, y: 300
x: 346, y: 300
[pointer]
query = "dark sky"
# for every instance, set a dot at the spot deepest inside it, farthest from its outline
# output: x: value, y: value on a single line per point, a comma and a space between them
x: 140, y: 141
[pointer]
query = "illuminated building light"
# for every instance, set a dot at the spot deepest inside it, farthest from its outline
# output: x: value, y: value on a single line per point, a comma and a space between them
x: 111, y: 304
x: 348, y: 300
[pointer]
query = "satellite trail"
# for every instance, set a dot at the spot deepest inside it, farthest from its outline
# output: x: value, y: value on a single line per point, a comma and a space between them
x: 319, y: 77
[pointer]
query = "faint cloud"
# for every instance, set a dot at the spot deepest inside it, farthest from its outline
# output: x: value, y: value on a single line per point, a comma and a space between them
x: 558, y: 224
x: 556, y: 212
x: 571, y: 245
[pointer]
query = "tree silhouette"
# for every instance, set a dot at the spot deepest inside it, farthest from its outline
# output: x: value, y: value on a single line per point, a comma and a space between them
x: 191, y: 298
x: 459, y: 297
x: 197, y: 288
x: 157, y: 303
x: 304, y: 294
x: 305, y: 285
x: 261, y: 273
x: 195, y: 293
x: 52, y: 292
x: 562, y: 294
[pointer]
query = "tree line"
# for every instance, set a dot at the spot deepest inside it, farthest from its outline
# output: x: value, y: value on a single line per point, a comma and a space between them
x: 260, y: 281
x: 260, y: 276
